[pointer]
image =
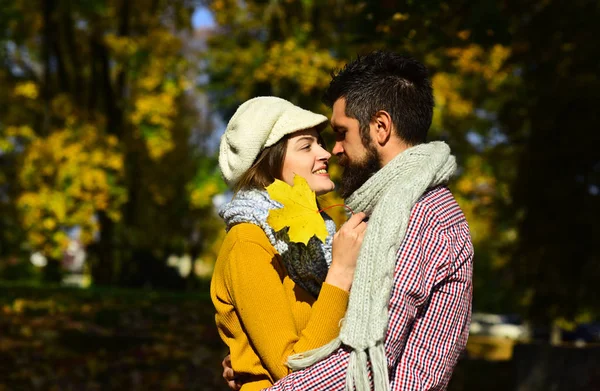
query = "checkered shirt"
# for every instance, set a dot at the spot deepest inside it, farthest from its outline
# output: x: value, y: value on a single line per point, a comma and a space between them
x: 429, y: 308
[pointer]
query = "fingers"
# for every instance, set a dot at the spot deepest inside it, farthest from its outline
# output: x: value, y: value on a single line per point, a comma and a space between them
x: 355, y: 225
x: 226, y: 363
x: 234, y: 385
x: 356, y: 219
x: 361, y: 228
x: 229, y: 377
x: 229, y: 374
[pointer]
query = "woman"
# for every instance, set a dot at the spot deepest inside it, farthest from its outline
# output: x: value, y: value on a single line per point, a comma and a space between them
x: 273, y: 297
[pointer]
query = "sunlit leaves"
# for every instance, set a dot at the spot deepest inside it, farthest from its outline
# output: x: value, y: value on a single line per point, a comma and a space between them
x: 291, y: 62
x: 476, y: 189
x: 158, y: 81
x: 490, y: 64
x: 27, y: 89
x: 66, y: 179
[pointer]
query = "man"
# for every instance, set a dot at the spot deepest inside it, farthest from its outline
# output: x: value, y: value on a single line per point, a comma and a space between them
x: 410, y: 304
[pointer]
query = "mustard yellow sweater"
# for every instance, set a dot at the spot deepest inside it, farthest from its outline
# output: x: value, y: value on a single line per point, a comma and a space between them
x: 261, y: 314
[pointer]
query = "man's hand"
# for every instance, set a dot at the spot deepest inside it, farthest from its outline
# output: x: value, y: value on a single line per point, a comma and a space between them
x: 229, y: 374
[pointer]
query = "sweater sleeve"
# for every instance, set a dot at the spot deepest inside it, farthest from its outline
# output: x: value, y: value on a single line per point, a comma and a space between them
x: 264, y: 310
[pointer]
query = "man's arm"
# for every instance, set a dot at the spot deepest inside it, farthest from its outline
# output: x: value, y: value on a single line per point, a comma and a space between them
x: 328, y: 374
x: 429, y: 308
x: 438, y: 333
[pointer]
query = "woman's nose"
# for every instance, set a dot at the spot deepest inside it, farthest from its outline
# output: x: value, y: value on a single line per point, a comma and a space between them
x: 325, y: 154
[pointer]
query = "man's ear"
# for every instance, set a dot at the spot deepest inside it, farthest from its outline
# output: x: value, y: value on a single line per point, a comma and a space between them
x: 382, y: 127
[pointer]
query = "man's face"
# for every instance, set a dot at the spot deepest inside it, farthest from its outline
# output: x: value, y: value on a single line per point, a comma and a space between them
x: 360, y: 162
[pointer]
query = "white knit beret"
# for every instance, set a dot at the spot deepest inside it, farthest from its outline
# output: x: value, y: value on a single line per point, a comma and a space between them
x: 257, y: 124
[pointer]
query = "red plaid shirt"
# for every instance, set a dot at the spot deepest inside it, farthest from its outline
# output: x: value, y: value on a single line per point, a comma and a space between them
x: 429, y: 309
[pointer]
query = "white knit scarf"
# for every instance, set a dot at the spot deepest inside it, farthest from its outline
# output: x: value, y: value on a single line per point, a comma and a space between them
x: 388, y: 198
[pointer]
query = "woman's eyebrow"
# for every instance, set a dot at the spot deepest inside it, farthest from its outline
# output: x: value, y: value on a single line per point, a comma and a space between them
x: 307, y: 137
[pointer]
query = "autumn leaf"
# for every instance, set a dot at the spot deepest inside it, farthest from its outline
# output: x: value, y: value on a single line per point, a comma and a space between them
x: 300, y: 212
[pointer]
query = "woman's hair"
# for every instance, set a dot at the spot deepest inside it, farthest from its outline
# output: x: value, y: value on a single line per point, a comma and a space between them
x: 267, y: 167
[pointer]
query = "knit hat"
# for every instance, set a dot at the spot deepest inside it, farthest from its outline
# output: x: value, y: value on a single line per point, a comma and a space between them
x: 257, y: 124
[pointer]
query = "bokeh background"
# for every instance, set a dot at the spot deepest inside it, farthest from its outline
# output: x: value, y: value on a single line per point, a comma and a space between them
x: 110, y: 118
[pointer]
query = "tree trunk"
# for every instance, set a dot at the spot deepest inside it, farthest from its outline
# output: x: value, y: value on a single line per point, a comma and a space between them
x: 555, y: 335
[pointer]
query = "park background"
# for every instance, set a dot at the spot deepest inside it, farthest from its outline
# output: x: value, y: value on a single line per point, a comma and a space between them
x: 110, y: 118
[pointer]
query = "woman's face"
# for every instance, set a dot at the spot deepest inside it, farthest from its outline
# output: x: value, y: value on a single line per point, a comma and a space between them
x: 306, y: 157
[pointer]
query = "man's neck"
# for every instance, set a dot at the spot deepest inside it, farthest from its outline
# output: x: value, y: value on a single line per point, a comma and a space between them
x: 391, y: 150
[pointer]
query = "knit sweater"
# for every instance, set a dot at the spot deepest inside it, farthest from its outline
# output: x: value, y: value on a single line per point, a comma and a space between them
x: 261, y: 314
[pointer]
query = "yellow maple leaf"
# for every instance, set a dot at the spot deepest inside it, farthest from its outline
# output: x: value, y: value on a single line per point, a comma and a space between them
x: 299, y: 212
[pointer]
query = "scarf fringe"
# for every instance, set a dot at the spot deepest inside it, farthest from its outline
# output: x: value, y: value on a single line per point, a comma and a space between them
x: 357, y: 377
x: 381, y: 379
x: 303, y: 360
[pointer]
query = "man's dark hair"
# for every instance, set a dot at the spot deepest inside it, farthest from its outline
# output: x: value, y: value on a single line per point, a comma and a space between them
x: 387, y: 81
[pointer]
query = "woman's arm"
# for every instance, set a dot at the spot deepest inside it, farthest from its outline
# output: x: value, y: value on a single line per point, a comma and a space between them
x: 264, y: 309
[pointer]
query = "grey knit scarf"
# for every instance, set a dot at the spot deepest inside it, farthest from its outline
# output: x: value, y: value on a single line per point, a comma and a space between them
x: 387, y: 197
x: 306, y: 265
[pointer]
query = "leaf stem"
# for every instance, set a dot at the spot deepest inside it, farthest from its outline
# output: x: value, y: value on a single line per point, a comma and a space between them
x: 333, y: 206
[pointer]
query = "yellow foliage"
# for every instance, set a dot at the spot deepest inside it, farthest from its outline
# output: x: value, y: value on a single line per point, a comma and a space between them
x: 489, y: 64
x: 61, y: 106
x: 300, y: 212
x: 447, y: 96
x: 400, y: 17
x: 20, y: 131
x: 10, y: 134
x: 464, y: 34
x: 280, y: 64
x: 121, y: 46
x: 160, y: 82
x: 308, y: 66
x: 202, y: 197
x: 27, y: 89
x: 476, y: 189
x: 65, y: 182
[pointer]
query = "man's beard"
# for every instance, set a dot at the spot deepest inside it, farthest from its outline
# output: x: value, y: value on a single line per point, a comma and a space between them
x: 356, y: 173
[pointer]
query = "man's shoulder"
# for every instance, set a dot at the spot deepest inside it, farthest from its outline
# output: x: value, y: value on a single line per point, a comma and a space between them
x: 439, y: 205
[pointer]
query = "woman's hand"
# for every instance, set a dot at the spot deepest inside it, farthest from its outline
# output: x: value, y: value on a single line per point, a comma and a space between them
x: 229, y: 374
x: 346, y: 246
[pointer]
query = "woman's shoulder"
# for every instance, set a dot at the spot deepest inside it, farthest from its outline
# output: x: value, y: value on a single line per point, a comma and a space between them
x: 248, y: 233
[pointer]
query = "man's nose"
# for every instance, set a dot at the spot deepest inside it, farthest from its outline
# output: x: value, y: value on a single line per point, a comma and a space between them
x: 337, y: 148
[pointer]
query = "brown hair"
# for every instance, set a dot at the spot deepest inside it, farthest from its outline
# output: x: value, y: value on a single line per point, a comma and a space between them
x: 267, y: 167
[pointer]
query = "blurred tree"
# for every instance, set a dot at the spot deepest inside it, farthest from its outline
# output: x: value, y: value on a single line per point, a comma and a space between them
x: 99, y: 127
x: 557, y: 191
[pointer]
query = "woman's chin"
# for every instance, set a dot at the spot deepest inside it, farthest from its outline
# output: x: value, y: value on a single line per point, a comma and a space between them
x: 325, y: 190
